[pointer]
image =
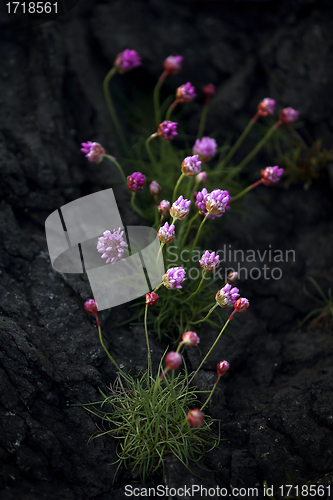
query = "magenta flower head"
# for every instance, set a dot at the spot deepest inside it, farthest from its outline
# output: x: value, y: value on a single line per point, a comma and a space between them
x: 222, y: 368
x: 241, y: 305
x: 173, y: 64
x: 288, y: 116
x: 94, y: 151
x: 201, y: 178
x: 206, y: 148
x: 185, y: 93
x: 227, y: 296
x: 166, y: 233
x: 180, y: 208
x: 217, y: 201
x: 209, y: 261
x: 209, y: 90
x: 195, y: 418
x: 191, y: 165
x: 201, y: 198
x: 127, y: 60
x: 155, y: 188
x: 266, y: 107
x: 190, y: 339
x: 174, y: 277
x: 111, y: 245
x: 167, y: 130
x: 271, y: 175
x: 232, y: 277
x: 173, y: 360
x: 135, y: 182
x: 152, y: 298
x: 91, y: 306
x: 164, y: 207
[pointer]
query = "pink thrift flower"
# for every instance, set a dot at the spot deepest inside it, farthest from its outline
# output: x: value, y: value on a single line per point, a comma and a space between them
x: 206, y: 148
x: 191, y: 165
x: 190, y: 339
x: 91, y: 306
x: 222, y: 368
x: 111, y: 245
x: 232, y: 277
x: 195, y: 418
x: 180, y: 208
x: 185, y: 93
x: 174, y: 277
x: 152, y: 298
x: 201, y: 178
x: 266, y: 107
x: 173, y: 64
x: 164, y: 207
x: 201, y: 198
x: 94, y: 151
x: 227, y: 296
x: 241, y: 305
x: 155, y: 188
x: 173, y: 360
x: 135, y: 182
x: 209, y: 261
x: 166, y: 233
x: 288, y: 116
x: 217, y: 201
x: 167, y: 130
x: 271, y: 175
x: 127, y: 60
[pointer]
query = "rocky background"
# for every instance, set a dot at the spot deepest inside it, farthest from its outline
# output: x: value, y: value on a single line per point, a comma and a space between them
x: 276, y: 402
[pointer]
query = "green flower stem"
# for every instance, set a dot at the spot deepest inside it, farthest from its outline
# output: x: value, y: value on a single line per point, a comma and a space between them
x: 157, y: 217
x: 111, y: 158
x: 239, y: 141
x: 209, y: 313
x: 176, y: 187
x: 159, y: 286
x: 188, y: 230
x: 157, y: 98
x: 150, y: 368
x: 210, y: 350
x: 159, y: 255
x: 246, y: 190
x: 257, y: 147
x: 203, y: 119
x: 171, y: 107
x: 196, y: 291
x: 135, y: 208
x: 112, y: 111
x: 211, y: 393
x: 105, y: 349
x: 149, y: 151
x: 197, y: 236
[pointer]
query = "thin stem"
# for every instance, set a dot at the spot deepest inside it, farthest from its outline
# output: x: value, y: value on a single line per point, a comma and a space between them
x: 188, y: 230
x: 159, y: 286
x: 111, y: 158
x: 157, y: 98
x: 135, y: 208
x: 197, y: 236
x: 196, y: 291
x: 210, y: 350
x: 202, y: 121
x: 112, y: 110
x: 159, y: 255
x: 207, y: 316
x: 210, y: 395
x: 105, y: 349
x: 176, y: 187
x: 150, y: 368
x: 238, y: 142
x: 246, y: 190
x: 171, y: 107
x: 149, y: 151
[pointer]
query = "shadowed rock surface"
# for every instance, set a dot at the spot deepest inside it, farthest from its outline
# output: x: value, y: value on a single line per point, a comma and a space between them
x: 275, y: 403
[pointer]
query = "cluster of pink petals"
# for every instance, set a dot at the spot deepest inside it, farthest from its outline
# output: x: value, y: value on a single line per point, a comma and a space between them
x: 195, y: 418
x: 167, y: 130
x: 164, y: 207
x: 135, y: 182
x: 206, y: 148
x: 271, y: 175
x: 173, y: 64
x: 201, y: 198
x: 180, y: 208
x: 227, y: 296
x: 93, y: 151
x: 222, y: 368
x: 155, y: 188
x: 127, y: 60
x: 241, y: 305
x: 173, y: 360
x: 111, y: 245
x: 190, y: 339
x: 266, y: 107
x: 166, y: 233
x: 288, y: 116
x: 185, y: 93
x: 209, y: 261
x: 152, y: 298
x: 191, y: 165
x: 217, y: 201
x: 174, y: 277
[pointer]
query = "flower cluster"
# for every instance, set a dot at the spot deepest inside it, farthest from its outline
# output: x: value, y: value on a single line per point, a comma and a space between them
x: 167, y: 130
x: 173, y: 64
x: 164, y: 207
x: 155, y: 188
x: 185, y: 93
x: 209, y: 261
x: 217, y: 202
x: 94, y: 151
x: 206, y: 148
x: 266, y: 107
x: 191, y: 165
x: 180, y: 208
x: 174, y: 277
x: 127, y: 60
x: 166, y: 233
x: 111, y: 245
x: 135, y: 182
x: 227, y: 296
x: 288, y: 116
x: 271, y: 175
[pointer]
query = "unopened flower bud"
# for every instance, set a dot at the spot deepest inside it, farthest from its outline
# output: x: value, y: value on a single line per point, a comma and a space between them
x: 266, y: 107
x: 93, y: 151
x: 201, y: 178
x: 190, y: 339
x: 91, y: 306
x: 127, y: 60
x: 155, y: 188
x: 209, y: 90
x: 288, y: 116
x: 271, y: 175
x: 241, y: 305
x: 232, y: 277
x: 222, y: 368
x: 164, y: 207
x: 152, y: 298
x: 206, y: 148
x: 173, y: 64
x: 185, y: 93
x: 195, y: 418
x: 173, y: 360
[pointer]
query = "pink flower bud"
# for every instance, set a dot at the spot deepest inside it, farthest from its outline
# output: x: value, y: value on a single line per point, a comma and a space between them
x: 201, y: 178
x: 209, y: 90
x: 164, y: 207
x: 173, y: 360
x: 232, y: 277
x: 135, y: 182
x: 222, y: 368
x: 195, y: 418
x: 91, y: 306
x: 190, y: 339
x: 266, y: 107
x: 288, y: 116
x: 185, y: 93
x: 152, y: 298
x: 271, y: 175
x: 155, y: 188
x: 241, y: 305
x: 173, y: 64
